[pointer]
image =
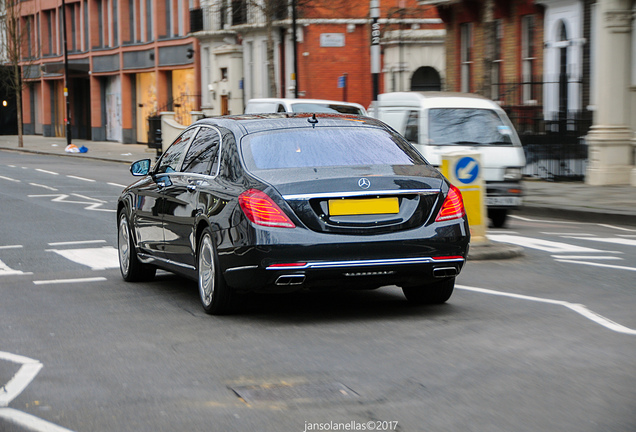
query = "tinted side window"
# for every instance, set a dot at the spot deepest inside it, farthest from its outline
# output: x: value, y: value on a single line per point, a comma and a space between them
x: 171, y: 159
x: 203, y: 151
x: 412, y: 130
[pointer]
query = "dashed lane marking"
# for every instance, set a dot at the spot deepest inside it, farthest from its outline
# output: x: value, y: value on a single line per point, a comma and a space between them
x: 117, y: 185
x: 10, y: 179
x: 76, y: 242
x: 68, y: 281
x: 81, y: 178
x: 578, y: 308
x: 11, y: 247
x: 46, y: 172
x: 43, y: 186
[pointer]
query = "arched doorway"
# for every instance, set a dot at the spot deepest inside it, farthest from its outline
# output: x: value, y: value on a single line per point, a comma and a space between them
x: 426, y: 78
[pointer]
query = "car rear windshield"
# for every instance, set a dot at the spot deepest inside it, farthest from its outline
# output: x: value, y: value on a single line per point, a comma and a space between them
x: 467, y: 126
x: 326, y: 108
x: 326, y: 146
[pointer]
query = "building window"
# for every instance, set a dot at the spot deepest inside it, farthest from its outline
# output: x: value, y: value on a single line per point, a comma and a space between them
x: 239, y: 12
x: 497, y: 61
x: 528, y: 57
x: 466, y: 52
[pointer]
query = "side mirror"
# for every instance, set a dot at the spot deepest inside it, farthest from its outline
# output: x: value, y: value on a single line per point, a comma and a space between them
x: 140, y: 168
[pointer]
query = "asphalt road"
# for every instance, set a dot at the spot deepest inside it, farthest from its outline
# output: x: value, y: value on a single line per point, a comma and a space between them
x: 542, y: 342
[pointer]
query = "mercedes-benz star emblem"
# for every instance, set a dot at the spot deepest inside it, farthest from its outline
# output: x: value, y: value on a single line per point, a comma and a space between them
x: 364, y: 183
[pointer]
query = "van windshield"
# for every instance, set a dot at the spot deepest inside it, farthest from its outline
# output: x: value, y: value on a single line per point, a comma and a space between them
x: 467, y: 126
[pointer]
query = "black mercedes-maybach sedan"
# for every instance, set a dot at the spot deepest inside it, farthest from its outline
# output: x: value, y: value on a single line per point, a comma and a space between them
x: 282, y: 202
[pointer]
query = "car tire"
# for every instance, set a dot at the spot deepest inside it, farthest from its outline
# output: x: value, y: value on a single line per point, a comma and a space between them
x: 132, y: 270
x: 498, y: 217
x: 216, y: 297
x: 434, y: 293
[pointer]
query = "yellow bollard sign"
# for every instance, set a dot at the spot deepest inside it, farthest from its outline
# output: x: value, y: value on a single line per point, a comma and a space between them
x: 464, y: 171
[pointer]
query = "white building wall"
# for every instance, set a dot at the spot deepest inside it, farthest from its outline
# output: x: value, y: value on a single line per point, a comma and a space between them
x: 569, y: 12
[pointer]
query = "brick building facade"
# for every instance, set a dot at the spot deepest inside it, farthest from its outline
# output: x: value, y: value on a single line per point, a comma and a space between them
x: 126, y: 61
x: 333, y: 41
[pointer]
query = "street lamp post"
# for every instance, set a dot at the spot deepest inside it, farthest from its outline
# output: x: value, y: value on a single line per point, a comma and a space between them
x: 68, y: 103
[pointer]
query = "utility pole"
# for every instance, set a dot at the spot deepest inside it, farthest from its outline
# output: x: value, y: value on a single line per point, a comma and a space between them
x: 68, y: 102
x: 375, y: 52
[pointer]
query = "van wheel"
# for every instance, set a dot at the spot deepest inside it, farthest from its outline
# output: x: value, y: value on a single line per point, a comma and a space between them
x: 498, y: 217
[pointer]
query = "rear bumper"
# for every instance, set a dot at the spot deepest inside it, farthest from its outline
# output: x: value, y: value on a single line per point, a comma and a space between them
x: 348, y: 274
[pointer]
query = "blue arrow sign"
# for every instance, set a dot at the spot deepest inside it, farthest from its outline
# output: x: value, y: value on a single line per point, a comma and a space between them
x: 466, y: 170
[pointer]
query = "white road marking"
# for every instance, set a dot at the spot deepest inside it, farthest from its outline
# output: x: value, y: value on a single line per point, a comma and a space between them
x: 617, y: 227
x: 89, y: 198
x: 545, y: 220
x: 568, y: 234
x: 76, y: 242
x: 30, y: 422
x: 47, y: 172
x: 96, y: 258
x: 622, y: 241
x: 5, y: 270
x: 597, y: 264
x: 544, y: 245
x: 117, y: 185
x: 11, y: 247
x: 586, y: 257
x: 21, y: 379
x: 10, y: 179
x: 95, y: 205
x: 68, y: 281
x: 81, y: 178
x: 578, y: 308
x: 43, y: 186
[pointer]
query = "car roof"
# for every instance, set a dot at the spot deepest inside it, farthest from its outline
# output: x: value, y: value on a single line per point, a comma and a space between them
x: 292, y: 101
x: 435, y: 99
x: 253, y: 123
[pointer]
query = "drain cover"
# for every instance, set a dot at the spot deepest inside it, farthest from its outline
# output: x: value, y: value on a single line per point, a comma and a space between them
x: 294, y: 392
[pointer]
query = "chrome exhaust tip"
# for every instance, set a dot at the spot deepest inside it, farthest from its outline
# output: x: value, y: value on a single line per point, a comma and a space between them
x: 444, y: 272
x: 293, y: 279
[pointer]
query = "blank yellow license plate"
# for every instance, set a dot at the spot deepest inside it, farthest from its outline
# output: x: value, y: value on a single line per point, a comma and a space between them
x: 346, y: 207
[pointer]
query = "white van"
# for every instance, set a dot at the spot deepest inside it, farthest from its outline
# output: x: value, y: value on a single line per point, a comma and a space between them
x: 442, y: 122
x: 274, y: 105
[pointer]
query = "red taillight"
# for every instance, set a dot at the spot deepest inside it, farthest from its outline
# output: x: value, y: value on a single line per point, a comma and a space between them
x: 261, y: 210
x: 453, y: 207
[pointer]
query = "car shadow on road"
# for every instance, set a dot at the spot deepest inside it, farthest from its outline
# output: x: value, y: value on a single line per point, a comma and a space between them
x: 386, y: 303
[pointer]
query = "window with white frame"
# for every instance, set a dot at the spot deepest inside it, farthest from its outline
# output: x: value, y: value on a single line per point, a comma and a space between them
x: 466, y: 53
x: 528, y: 56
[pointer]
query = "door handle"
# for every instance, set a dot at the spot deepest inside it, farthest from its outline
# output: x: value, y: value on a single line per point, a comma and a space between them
x: 192, y: 187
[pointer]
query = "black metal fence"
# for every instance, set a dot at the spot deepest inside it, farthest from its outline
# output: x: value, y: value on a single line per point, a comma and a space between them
x: 554, y: 143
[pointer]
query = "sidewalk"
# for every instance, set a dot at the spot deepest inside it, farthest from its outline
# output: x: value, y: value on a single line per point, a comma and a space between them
x: 567, y: 200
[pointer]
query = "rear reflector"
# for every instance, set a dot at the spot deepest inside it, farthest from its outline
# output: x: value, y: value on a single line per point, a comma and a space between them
x: 453, y: 207
x: 261, y: 210
x: 287, y: 265
x: 444, y: 258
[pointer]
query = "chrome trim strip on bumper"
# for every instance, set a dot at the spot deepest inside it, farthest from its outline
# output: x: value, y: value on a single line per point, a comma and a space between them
x: 366, y: 263
x: 362, y: 193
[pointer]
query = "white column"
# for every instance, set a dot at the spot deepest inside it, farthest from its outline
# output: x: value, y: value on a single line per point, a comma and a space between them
x: 609, y: 140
